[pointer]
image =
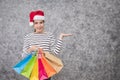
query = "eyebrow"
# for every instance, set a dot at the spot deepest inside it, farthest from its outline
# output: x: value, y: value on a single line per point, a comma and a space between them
x: 38, y: 21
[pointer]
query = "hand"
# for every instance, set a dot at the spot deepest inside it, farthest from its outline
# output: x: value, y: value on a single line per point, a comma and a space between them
x: 32, y: 48
x: 62, y: 35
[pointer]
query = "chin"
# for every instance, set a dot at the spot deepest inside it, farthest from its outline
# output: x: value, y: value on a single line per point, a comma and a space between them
x: 40, y: 31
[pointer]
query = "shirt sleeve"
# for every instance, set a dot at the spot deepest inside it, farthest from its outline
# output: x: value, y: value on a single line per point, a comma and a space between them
x: 25, y: 46
x: 55, y: 45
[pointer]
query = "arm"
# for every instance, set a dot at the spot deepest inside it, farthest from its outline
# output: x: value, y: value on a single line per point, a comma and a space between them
x: 55, y: 45
x: 26, y: 47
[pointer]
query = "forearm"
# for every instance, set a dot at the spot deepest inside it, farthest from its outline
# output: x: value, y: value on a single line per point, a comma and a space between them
x: 58, y: 46
x: 29, y: 50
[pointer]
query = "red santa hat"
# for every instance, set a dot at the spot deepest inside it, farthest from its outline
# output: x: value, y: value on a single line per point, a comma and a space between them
x: 36, y: 15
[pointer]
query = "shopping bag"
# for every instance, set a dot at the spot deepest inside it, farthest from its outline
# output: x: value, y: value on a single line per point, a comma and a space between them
x: 19, y: 66
x: 29, y: 66
x: 54, y: 61
x: 42, y: 73
x: 48, y: 68
x: 36, y: 67
x: 34, y: 73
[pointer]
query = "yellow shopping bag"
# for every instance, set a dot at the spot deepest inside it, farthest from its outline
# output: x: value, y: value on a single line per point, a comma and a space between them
x: 34, y: 74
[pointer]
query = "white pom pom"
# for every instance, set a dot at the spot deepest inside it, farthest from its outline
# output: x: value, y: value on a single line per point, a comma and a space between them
x: 31, y: 23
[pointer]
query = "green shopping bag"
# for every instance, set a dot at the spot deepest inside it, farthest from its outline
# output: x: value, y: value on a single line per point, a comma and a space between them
x: 29, y: 66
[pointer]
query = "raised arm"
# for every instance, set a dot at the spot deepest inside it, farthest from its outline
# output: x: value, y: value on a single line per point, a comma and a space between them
x: 56, y: 45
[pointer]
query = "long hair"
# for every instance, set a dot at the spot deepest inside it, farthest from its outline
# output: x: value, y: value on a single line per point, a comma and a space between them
x: 34, y: 30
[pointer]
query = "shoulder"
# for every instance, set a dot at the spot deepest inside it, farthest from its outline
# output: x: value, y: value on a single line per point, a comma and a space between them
x: 50, y: 34
x: 28, y: 35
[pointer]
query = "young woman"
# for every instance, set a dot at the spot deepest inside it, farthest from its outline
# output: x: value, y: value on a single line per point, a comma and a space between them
x: 40, y: 38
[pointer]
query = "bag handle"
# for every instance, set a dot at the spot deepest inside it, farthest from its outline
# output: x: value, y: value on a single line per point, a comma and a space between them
x: 40, y: 53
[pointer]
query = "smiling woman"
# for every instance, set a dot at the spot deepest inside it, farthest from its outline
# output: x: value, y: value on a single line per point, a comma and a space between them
x: 40, y: 38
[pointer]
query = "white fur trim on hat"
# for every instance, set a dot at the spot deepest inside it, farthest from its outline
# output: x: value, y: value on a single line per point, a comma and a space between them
x: 38, y: 17
x: 31, y: 23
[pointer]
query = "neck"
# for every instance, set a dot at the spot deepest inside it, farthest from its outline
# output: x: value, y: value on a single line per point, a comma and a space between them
x: 39, y: 32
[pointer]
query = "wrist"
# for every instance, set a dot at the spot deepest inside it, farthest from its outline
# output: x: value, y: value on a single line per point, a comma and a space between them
x: 61, y: 37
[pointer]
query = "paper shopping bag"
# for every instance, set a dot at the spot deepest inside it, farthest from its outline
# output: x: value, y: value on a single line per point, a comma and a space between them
x: 54, y: 61
x: 19, y: 66
x: 29, y: 66
x: 41, y: 70
x: 34, y: 74
x: 48, y: 68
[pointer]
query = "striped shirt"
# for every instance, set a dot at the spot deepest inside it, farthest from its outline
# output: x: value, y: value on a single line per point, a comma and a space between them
x: 46, y: 41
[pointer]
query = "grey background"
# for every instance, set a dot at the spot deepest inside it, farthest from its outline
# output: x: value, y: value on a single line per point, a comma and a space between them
x: 92, y: 53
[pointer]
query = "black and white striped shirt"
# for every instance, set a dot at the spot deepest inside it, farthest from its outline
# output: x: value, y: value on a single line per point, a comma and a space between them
x: 46, y: 41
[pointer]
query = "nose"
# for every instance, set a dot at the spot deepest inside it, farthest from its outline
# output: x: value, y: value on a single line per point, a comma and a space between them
x: 39, y: 24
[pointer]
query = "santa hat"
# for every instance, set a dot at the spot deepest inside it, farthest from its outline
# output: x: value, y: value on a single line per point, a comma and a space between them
x: 36, y: 15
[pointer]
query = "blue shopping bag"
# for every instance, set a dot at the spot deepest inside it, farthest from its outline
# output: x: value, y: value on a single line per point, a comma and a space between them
x: 20, y: 66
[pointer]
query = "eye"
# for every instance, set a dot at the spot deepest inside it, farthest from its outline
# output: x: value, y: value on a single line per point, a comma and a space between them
x: 41, y: 22
x: 35, y: 22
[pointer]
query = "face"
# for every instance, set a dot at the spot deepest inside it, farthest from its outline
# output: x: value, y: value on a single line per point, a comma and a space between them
x: 39, y: 26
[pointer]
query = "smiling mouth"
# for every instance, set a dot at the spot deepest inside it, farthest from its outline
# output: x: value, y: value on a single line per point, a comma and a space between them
x: 40, y: 28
